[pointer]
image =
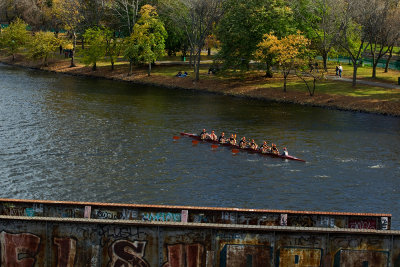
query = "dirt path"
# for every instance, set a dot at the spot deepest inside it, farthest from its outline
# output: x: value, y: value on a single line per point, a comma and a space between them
x: 377, y: 84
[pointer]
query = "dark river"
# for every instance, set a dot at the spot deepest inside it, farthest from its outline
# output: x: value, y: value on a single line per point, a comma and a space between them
x: 68, y: 138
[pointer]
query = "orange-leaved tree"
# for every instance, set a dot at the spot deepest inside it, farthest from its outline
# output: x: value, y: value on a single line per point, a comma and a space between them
x: 287, y: 54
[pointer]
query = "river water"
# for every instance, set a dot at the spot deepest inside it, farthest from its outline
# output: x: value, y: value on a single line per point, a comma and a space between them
x: 80, y: 139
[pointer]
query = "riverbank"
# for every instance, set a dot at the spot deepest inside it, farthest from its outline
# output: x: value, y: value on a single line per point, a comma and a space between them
x: 329, y: 93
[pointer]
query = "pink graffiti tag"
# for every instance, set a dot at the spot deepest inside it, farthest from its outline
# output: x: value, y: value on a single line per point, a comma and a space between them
x: 185, y: 255
x: 124, y: 253
x: 15, y: 246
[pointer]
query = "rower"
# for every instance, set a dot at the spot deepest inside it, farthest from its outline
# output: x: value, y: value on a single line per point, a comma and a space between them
x: 253, y: 145
x: 213, y: 136
x: 242, y: 143
x: 274, y: 149
x: 285, y: 152
x: 232, y: 140
x: 222, y: 139
x: 203, y: 135
x: 265, y: 148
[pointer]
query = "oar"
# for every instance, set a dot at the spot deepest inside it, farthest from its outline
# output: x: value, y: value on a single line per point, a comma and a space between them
x: 195, y: 142
x: 214, y: 146
x: 176, y: 137
x: 234, y: 151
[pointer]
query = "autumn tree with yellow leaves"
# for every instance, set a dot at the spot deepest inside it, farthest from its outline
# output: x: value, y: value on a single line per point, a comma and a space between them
x: 287, y: 54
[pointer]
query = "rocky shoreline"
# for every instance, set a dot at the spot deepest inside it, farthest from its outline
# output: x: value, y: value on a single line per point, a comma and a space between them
x: 231, y: 87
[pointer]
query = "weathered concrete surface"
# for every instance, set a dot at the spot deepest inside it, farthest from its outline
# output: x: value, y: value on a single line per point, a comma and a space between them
x: 34, y: 238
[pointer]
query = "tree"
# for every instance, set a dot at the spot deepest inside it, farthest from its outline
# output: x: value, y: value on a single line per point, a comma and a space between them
x: 70, y: 16
x: 127, y: 12
x: 288, y: 53
x: 96, y: 41
x: 14, y: 36
x: 147, y: 39
x: 320, y: 22
x: 382, y: 29
x: 243, y: 25
x: 113, y: 46
x: 42, y: 45
x: 197, y: 18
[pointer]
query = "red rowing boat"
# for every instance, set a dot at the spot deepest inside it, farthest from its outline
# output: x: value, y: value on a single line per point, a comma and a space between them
x: 195, y: 136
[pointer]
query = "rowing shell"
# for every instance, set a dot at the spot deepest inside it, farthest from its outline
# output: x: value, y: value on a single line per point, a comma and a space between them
x: 195, y: 136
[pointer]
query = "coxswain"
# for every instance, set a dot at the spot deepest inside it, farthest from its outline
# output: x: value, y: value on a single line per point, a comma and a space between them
x: 265, y: 148
x: 242, y: 143
x: 232, y: 140
x: 203, y: 135
x: 285, y: 152
x: 253, y: 145
x: 274, y: 149
x: 222, y: 139
x: 213, y: 136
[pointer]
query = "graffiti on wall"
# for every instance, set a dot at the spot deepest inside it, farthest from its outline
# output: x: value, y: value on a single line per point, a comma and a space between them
x: 161, y: 216
x: 125, y: 253
x: 245, y: 255
x: 185, y: 255
x: 362, y: 223
x: 18, y: 249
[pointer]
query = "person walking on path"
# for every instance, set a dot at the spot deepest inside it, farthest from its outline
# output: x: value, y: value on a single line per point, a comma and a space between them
x: 340, y: 70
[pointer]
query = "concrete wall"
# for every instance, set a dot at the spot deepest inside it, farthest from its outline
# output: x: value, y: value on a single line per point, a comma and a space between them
x: 126, y: 242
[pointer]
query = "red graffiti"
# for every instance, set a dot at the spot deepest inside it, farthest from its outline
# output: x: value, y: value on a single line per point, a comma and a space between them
x: 66, y: 249
x: 362, y: 224
x: 124, y: 253
x: 18, y: 250
x: 183, y: 255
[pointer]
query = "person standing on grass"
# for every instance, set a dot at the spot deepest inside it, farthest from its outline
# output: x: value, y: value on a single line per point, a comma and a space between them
x: 340, y: 70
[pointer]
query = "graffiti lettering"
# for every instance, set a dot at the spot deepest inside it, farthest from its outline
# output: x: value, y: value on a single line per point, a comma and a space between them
x: 162, y: 217
x: 124, y: 253
x: 303, y: 221
x: 185, y: 255
x: 128, y: 214
x: 65, y: 212
x: 18, y: 250
x: 106, y: 214
x: 245, y: 255
x: 362, y: 224
x: 228, y: 217
x: 384, y: 223
x: 200, y: 218
x: 66, y: 249
x: 283, y: 221
x: 229, y: 236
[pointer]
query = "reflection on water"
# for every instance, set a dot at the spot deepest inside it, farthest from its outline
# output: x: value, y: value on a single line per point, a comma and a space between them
x: 67, y: 138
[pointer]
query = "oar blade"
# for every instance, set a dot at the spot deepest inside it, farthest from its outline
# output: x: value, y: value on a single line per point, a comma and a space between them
x: 214, y: 146
x: 176, y: 137
x: 195, y: 142
x: 235, y: 151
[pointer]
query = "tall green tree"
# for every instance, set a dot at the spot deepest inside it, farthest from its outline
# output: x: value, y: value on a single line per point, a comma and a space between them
x: 96, y: 46
x: 147, y: 41
x: 243, y: 25
x: 14, y: 36
x: 113, y: 46
x: 43, y: 45
x: 320, y: 21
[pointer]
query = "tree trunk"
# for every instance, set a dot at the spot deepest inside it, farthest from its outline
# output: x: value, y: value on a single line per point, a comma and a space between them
x: 198, y: 65
x: 73, y: 50
x: 209, y: 52
x: 112, y: 64
x: 325, y: 60
x: 94, y: 68
x: 354, y: 74
x: 374, y: 65
x: 130, y: 68
x: 149, y: 70
x: 284, y: 81
x: 388, y: 59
